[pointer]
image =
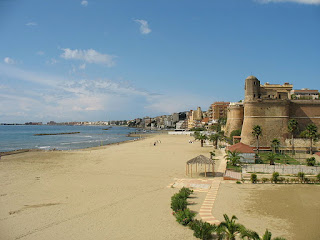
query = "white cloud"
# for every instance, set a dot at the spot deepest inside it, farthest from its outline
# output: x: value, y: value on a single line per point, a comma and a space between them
x: 312, y: 2
x: 144, y: 27
x: 84, y: 3
x: 40, y: 53
x: 82, y: 66
x: 52, y: 61
x: 9, y: 60
x: 90, y: 56
x: 31, y: 24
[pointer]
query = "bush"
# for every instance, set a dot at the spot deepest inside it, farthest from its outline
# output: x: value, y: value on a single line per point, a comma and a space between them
x: 185, y: 192
x: 254, y: 178
x: 301, y: 176
x: 311, y: 161
x: 275, y: 177
x: 178, y: 202
x: 282, y: 179
x: 238, y: 182
x: 184, y: 217
x: 264, y: 180
x: 318, y: 177
x: 202, y: 230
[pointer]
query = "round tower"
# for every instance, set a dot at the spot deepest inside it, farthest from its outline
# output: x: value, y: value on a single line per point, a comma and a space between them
x: 252, y: 88
x: 234, y: 118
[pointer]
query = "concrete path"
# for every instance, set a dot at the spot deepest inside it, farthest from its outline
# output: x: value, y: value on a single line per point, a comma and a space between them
x: 208, y: 204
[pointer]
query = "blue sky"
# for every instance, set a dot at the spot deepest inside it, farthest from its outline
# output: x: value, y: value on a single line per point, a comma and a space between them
x: 105, y: 60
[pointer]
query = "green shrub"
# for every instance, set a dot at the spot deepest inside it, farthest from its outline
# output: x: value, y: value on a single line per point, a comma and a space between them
x: 238, y: 182
x: 184, y: 217
x: 318, y: 177
x: 307, y: 180
x: 264, y: 180
x: 254, y: 178
x: 282, y: 179
x: 185, y: 192
x: 178, y: 202
x: 311, y: 161
x: 202, y: 230
x: 301, y: 176
x: 275, y: 177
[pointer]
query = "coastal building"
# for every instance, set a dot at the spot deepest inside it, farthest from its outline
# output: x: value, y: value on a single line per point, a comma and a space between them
x: 304, y: 93
x: 246, y: 153
x: 218, y: 110
x: 271, y: 107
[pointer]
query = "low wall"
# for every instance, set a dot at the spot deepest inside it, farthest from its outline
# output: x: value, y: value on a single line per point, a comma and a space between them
x: 302, y: 143
x: 282, y: 169
x: 180, y: 133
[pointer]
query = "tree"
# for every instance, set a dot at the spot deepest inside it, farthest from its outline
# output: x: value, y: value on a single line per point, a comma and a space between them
x: 214, y: 138
x: 234, y: 133
x: 275, y: 144
x: 292, y: 127
x: 311, y: 132
x: 200, y: 136
x: 272, y: 157
x: 311, y: 161
x: 212, y: 154
x: 230, y: 227
x: 257, y: 132
x: 233, y: 157
x: 254, y: 235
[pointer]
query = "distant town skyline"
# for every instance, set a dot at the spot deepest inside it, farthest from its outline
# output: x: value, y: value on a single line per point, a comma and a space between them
x: 114, y: 60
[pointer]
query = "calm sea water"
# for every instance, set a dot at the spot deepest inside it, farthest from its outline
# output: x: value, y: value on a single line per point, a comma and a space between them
x: 22, y: 137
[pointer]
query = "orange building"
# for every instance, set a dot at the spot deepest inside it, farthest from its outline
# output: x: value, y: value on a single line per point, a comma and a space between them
x: 218, y: 110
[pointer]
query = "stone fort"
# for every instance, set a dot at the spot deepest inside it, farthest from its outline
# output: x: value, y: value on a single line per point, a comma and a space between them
x: 272, y: 106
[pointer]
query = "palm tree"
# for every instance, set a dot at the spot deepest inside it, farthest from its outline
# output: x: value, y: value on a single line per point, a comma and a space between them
x: 275, y: 144
x: 292, y: 127
x: 272, y: 157
x: 214, y: 138
x: 233, y: 157
x: 311, y: 132
x: 245, y: 233
x: 212, y: 154
x: 200, y: 136
x: 257, y: 132
x: 230, y: 227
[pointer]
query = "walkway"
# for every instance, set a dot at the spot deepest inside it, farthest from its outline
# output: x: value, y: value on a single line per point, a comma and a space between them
x: 207, y: 205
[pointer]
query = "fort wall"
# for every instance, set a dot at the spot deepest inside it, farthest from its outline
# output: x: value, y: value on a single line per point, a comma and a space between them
x: 234, y: 118
x: 305, y: 112
x: 270, y: 107
x: 271, y: 115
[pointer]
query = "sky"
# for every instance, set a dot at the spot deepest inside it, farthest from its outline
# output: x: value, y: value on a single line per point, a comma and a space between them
x: 97, y: 60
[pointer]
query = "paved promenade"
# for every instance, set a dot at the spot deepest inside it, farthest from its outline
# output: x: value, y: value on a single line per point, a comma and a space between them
x: 208, y: 204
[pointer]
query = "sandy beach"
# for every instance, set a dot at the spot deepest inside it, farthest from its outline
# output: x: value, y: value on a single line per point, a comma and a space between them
x: 113, y: 192
x: 123, y: 192
x: 291, y: 211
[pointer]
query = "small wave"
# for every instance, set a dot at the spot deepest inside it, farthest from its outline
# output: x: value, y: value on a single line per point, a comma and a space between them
x: 43, y: 147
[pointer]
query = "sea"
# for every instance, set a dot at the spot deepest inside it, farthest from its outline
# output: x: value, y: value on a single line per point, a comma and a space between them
x: 16, y: 137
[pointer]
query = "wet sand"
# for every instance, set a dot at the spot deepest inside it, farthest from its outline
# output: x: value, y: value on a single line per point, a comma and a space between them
x: 291, y: 211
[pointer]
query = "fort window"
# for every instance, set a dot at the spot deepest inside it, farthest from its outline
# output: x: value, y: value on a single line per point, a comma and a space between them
x: 254, y: 95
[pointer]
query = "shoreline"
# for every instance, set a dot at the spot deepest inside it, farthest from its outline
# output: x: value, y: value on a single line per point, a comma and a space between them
x: 19, y: 151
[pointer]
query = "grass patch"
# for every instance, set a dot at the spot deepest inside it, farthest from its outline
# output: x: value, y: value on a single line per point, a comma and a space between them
x: 234, y: 168
x: 281, y: 158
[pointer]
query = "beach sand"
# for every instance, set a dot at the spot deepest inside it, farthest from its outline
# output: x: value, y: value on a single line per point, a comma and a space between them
x: 123, y: 192
x: 112, y: 192
x: 291, y: 211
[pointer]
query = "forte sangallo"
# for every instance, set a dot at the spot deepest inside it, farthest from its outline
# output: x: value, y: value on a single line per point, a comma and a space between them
x: 272, y: 106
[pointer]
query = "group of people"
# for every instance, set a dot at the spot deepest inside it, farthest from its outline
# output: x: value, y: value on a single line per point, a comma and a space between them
x: 155, y: 143
x: 190, y: 141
